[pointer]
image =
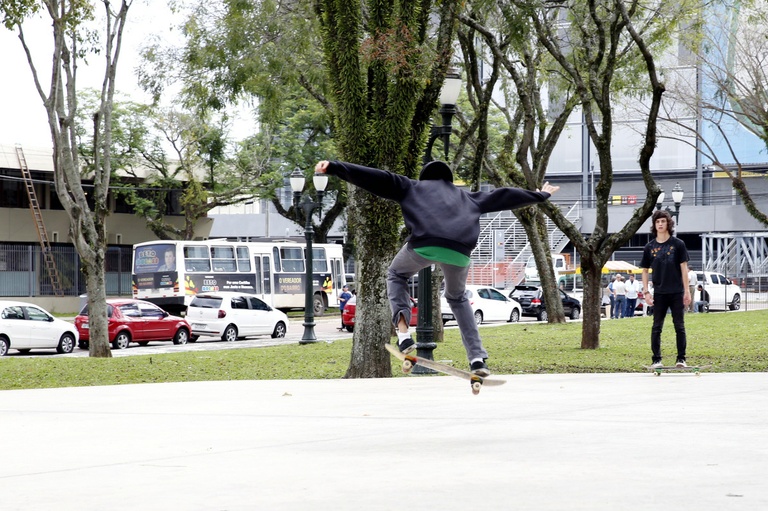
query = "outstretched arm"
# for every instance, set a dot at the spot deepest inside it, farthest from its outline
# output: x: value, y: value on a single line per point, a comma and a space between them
x: 379, y: 182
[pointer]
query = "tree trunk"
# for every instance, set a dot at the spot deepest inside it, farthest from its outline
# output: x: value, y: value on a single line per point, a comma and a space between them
x: 591, y: 304
x: 97, y: 307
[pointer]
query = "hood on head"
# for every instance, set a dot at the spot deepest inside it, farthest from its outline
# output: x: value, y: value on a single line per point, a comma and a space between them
x: 437, y: 170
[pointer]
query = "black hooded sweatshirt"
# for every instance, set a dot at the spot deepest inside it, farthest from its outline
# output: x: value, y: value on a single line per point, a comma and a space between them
x: 436, y: 212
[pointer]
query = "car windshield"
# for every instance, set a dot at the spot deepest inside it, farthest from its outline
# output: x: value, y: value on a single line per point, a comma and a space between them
x: 206, y: 302
x: 84, y: 311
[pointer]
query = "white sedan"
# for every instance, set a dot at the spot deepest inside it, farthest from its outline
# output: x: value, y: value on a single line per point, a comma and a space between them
x: 488, y: 304
x: 233, y: 316
x: 25, y: 326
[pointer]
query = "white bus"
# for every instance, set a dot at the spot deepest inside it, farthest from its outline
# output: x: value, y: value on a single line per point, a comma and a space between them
x: 169, y: 272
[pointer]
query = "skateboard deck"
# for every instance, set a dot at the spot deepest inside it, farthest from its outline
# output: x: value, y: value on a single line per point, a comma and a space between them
x: 669, y: 369
x: 411, y: 359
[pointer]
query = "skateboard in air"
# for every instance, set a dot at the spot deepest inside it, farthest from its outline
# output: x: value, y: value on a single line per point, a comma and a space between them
x: 411, y: 359
x: 671, y: 369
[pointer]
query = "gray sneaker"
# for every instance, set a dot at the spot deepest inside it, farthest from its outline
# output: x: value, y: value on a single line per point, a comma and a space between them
x: 681, y: 363
x: 656, y: 365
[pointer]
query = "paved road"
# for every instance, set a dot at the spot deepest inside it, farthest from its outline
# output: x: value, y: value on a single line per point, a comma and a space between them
x: 326, y: 330
x: 597, y: 442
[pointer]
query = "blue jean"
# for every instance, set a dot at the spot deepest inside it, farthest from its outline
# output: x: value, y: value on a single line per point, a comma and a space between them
x: 406, y: 263
x: 629, y: 311
x: 620, y: 304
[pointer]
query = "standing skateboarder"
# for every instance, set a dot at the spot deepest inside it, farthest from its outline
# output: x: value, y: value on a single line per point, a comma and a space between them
x: 444, y: 225
x: 668, y: 258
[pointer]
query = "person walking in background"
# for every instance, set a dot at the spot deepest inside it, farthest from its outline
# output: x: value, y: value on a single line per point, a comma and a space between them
x: 633, y: 289
x: 444, y: 225
x: 343, y: 299
x: 620, y: 292
x: 667, y: 257
x: 692, y: 281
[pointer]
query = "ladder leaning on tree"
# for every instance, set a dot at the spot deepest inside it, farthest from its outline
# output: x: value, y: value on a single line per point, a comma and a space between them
x: 37, y: 216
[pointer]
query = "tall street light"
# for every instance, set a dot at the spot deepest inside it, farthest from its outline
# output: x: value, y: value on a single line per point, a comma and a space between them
x: 677, y: 199
x: 308, y: 206
x: 425, y: 334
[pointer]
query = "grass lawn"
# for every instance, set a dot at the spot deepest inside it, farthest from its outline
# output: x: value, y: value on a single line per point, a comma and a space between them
x: 732, y: 342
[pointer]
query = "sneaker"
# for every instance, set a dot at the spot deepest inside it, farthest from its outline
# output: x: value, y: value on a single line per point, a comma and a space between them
x: 406, y: 346
x: 657, y: 364
x: 681, y: 363
x: 480, y: 368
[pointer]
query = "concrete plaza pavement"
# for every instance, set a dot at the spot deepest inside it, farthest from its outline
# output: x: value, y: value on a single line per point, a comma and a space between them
x: 540, y: 442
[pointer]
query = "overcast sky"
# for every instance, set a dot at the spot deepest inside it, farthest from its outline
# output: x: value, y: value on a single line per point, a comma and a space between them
x: 22, y: 116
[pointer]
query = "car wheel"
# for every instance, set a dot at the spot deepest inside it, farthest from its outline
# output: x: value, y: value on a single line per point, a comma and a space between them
x: 181, y: 337
x: 515, y: 316
x: 575, y: 313
x: 478, y: 317
x: 121, y: 340
x: 279, y: 330
x: 230, y: 334
x: 4, y: 345
x: 543, y: 316
x: 736, y: 303
x: 83, y: 345
x: 66, y: 343
x: 350, y: 328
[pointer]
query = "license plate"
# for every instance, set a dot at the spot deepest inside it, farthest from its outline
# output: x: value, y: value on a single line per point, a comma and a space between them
x: 196, y: 326
x: 85, y: 326
x: 447, y: 316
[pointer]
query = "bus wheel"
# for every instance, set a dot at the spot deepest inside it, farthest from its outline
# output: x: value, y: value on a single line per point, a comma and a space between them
x: 318, y: 305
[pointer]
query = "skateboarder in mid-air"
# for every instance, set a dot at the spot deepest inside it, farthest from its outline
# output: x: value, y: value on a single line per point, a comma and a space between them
x: 444, y: 225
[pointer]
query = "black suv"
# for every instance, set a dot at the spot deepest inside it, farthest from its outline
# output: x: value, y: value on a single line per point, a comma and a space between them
x: 531, y: 299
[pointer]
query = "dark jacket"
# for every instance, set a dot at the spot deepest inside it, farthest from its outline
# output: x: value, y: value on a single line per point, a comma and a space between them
x: 436, y: 212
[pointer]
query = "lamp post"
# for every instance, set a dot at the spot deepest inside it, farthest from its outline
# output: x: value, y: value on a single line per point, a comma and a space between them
x: 308, y: 206
x: 424, y: 331
x: 677, y: 199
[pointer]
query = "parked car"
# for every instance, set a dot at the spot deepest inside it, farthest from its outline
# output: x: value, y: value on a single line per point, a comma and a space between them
x: 488, y: 304
x: 348, y: 316
x: 137, y: 321
x: 233, y: 316
x: 25, y: 326
x: 531, y: 299
x: 723, y: 294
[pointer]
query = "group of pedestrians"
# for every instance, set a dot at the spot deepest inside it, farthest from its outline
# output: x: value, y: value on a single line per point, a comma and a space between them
x: 622, y: 296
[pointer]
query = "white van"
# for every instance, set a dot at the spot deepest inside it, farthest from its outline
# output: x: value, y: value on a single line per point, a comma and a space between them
x: 723, y: 294
x: 532, y: 273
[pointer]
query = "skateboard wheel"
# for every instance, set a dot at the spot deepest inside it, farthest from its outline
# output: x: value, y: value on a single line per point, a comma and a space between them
x: 476, y: 386
x: 407, y: 366
x: 657, y: 373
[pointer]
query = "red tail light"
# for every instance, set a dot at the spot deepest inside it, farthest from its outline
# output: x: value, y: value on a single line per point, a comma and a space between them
x: 536, y: 301
x: 222, y: 313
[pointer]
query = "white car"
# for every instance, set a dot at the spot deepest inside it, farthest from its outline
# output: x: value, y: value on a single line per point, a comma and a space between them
x: 25, y: 326
x: 233, y: 316
x: 723, y: 294
x: 488, y: 304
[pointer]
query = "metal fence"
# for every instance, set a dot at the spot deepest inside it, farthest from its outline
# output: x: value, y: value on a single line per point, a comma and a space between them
x: 22, y: 270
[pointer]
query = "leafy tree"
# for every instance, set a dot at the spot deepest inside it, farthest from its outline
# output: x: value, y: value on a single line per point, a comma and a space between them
x: 384, y: 72
x: 605, y: 51
x: 265, y: 53
x: 73, y: 39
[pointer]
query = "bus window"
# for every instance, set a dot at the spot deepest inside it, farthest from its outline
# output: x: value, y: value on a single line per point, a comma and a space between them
x: 243, y: 261
x: 223, y: 258
x: 319, y: 261
x: 267, y: 275
x: 292, y: 259
x: 276, y: 257
x: 196, y: 258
